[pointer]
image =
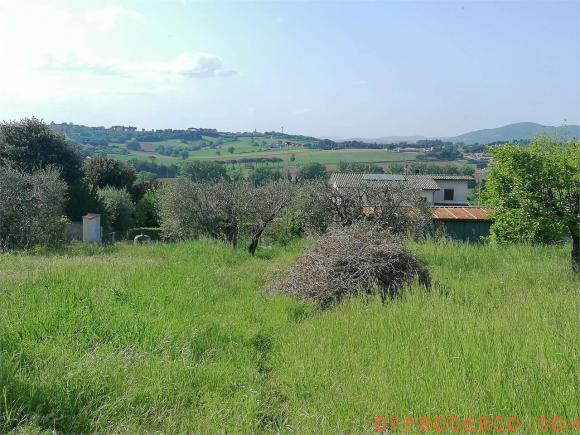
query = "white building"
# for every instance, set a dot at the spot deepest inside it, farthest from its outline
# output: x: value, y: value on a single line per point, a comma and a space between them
x: 453, y: 189
x: 436, y: 189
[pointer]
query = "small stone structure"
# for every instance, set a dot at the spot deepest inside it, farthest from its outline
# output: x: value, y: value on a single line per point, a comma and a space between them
x: 92, y: 231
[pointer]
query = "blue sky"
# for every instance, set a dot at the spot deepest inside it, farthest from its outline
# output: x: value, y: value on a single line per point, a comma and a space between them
x: 322, y: 68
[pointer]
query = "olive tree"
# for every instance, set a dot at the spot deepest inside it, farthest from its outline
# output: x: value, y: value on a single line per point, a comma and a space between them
x: 223, y: 210
x: 263, y: 205
x: 190, y: 209
x: 31, y: 207
x: 395, y: 206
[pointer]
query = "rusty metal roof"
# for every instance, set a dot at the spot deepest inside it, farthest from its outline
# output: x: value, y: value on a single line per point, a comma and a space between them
x: 461, y: 213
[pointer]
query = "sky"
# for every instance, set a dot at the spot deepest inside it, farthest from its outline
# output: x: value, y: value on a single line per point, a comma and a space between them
x: 327, y: 68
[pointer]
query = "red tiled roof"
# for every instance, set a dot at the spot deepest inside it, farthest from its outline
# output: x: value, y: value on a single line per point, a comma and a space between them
x: 461, y: 213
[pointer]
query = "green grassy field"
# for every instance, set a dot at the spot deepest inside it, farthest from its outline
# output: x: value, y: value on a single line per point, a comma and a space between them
x: 243, y: 148
x: 182, y: 338
x: 329, y: 157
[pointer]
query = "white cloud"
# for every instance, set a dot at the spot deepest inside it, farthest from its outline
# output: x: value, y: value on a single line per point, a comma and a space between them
x: 108, y: 17
x: 197, y: 65
x: 186, y: 64
x: 57, y: 53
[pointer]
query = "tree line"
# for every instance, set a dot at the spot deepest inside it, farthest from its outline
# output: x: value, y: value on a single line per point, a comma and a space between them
x: 44, y: 181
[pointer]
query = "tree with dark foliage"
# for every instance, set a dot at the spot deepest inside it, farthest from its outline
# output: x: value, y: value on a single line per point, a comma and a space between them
x: 199, y: 170
x: 103, y: 172
x: 312, y: 171
x: 261, y: 176
x: 30, y: 144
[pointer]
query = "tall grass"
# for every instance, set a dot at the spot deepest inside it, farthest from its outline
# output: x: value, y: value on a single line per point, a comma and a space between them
x: 182, y: 338
x: 498, y: 336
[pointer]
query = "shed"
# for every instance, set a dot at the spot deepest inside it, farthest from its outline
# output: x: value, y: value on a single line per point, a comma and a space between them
x: 468, y: 224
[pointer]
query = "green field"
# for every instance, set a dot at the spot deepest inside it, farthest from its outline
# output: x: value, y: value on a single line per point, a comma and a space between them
x: 182, y: 338
x: 243, y: 148
x: 329, y: 157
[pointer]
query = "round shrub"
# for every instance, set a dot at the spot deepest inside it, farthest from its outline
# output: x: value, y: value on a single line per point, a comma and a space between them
x: 119, y: 208
x: 31, y: 208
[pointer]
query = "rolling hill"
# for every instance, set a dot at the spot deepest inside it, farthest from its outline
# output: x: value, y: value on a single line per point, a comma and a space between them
x: 520, y: 130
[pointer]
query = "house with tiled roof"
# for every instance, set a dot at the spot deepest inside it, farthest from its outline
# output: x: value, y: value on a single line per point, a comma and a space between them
x: 439, y: 189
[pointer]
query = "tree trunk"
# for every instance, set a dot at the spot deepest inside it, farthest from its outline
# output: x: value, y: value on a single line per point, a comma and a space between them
x: 576, y: 252
x: 255, y: 241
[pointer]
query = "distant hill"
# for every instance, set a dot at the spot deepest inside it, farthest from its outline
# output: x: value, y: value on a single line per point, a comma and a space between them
x: 520, y: 130
x: 392, y: 139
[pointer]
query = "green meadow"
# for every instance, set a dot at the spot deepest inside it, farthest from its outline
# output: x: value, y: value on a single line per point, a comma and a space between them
x: 183, y: 338
x: 244, y: 148
x: 302, y: 156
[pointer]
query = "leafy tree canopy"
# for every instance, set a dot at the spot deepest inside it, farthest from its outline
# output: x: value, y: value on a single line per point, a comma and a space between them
x: 30, y: 144
x: 199, y: 170
x: 261, y: 176
x: 107, y: 172
x: 119, y: 208
x: 312, y: 171
x: 536, y: 191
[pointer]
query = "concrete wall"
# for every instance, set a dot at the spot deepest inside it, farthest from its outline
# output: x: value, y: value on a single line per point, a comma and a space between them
x: 459, y: 195
x: 73, y: 231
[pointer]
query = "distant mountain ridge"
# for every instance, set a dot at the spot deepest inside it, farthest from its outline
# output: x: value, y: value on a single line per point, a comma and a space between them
x: 518, y: 130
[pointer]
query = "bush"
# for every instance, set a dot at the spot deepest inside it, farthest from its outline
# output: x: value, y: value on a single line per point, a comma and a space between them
x: 119, y: 208
x: 107, y: 172
x: 283, y: 231
x: 261, y: 176
x: 146, y: 214
x: 199, y: 170
x: 133, y: 145
x: 517, y: 226
x: 360, y: 259
x: 31, y: 208
x: 83, y: 199
x: 312, y: 171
